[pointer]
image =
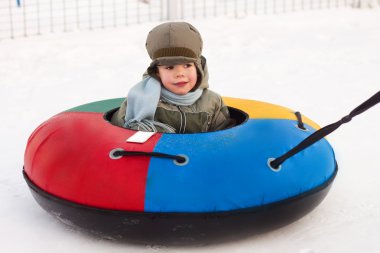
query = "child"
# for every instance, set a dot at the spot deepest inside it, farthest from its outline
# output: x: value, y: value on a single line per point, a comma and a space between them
x: 173, y: 96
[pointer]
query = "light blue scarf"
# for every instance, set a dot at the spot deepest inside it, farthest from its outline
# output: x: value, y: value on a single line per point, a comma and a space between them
x: 142, y: 103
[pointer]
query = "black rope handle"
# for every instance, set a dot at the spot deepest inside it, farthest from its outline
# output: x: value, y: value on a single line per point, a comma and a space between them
x: 316, y: 136
x: 300, y: 122
x: 177, y: 158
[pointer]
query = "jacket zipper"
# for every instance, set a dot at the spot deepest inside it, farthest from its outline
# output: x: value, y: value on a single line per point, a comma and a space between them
x: 183, y: 120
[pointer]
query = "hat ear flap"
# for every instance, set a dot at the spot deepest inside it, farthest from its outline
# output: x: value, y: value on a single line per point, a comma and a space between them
x: 199, y: 76
x: 152, y: 71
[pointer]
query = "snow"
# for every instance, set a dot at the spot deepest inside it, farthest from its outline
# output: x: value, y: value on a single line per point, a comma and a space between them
x: 322, y: 63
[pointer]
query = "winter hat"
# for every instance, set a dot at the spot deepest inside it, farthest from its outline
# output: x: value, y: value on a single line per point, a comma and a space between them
x: 174, y: 43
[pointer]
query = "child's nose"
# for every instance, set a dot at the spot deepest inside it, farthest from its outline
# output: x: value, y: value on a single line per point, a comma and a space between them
x: 180, y: 72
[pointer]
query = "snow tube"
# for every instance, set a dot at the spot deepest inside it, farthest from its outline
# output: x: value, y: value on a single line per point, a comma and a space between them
x: 223, y: 185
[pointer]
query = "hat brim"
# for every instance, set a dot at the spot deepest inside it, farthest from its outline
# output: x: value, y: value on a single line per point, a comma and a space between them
x: 172, y: 60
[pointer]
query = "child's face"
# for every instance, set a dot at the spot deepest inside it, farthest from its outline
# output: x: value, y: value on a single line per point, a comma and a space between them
x: 179, y: 79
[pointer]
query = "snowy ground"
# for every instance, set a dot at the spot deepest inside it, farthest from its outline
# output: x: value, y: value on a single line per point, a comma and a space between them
x: 322, y: 63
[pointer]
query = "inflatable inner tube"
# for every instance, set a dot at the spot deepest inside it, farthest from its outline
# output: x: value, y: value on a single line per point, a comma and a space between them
x: 224, y: 188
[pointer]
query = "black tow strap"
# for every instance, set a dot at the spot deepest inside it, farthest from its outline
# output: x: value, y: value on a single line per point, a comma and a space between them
x: 316, y: 136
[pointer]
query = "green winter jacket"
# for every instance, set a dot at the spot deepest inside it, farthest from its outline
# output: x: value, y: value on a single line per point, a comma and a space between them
x: 208, y: 113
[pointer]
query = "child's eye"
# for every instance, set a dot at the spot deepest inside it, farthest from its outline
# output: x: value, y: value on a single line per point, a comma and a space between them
x: 188, y: 65
x: 169, y: 67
